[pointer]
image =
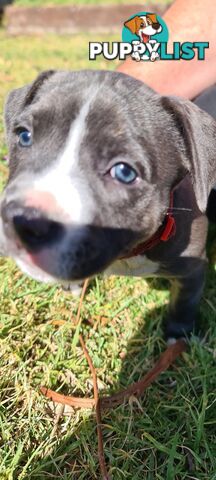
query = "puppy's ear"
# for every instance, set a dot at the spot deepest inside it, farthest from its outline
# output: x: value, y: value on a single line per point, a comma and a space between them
x: 198, y: 130
x: 133, y: 24
x: 13, y: 106
x: 18, y: 99
x: 152, y: 17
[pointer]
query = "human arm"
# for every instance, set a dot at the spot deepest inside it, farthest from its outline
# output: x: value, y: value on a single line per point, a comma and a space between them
x: 187, y: 21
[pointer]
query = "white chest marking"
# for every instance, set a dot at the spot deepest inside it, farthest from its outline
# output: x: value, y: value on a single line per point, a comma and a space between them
x: 138, y: 266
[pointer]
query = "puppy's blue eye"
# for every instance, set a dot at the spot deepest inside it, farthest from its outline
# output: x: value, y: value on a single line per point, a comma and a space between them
x: 25, y: 138
x: 123, y: 173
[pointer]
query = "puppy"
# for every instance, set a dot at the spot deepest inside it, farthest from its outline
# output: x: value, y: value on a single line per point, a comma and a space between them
x: 102, y: 180
x: 144, y: 26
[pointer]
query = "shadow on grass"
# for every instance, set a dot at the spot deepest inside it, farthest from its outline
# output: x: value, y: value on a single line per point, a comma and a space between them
x: 166, y: 435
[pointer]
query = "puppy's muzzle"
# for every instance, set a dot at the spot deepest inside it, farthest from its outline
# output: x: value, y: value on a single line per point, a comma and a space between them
x: 64, y: 251
x: 30, y: 227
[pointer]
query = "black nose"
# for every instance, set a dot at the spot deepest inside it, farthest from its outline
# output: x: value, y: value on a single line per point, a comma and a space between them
x: 156, y: 26
x: 31, y: 225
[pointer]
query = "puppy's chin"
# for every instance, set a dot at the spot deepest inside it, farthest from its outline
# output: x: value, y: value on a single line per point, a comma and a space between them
x: 39, y: 275
x: 3, y: 240
x: 35, y: 272
x: 7, y: 248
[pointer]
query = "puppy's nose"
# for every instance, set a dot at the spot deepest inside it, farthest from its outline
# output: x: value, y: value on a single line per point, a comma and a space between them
x: 31, y: 226
x: 156, y: 26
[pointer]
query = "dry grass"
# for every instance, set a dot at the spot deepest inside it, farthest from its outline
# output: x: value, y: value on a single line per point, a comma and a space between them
x: 170, y: 434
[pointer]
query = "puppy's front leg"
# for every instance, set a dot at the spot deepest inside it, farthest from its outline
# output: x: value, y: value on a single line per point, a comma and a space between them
x: 186, y: 293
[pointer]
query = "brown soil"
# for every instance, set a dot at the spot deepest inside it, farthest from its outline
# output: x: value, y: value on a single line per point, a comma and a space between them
x: 71, y: 19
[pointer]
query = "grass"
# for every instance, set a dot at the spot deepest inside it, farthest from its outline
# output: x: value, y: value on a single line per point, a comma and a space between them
x: 170, y: 434
x: 43, y: 3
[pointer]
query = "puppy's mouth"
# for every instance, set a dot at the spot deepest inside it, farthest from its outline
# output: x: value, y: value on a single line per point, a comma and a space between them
x: 145, y: 38
x: 26, y: 262
x: 81, y: 253
x: 149, y: 31
x: 29, y: 266
x: 52, y: 251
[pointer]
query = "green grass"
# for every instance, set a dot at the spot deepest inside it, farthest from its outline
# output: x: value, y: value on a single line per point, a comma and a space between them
x: 43, y: 3
x: 170, y: 434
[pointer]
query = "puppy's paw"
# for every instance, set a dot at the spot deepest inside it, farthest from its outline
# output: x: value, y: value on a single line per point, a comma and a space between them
x: 177, y: 329
x: 173, y: 340
x: 154, y: 56
x: 136, y: 56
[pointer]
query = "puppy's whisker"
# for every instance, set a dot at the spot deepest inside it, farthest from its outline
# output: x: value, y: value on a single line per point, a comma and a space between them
x: 170, y: 209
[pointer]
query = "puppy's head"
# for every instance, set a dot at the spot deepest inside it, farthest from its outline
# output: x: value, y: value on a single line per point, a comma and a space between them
x: 144, y: 26
x: 92, y: 159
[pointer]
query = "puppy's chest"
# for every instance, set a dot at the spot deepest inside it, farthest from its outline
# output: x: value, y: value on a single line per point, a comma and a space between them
x: 137, y: 266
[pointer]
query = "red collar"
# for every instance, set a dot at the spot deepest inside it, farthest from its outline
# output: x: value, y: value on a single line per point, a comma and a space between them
x: 163, y: 234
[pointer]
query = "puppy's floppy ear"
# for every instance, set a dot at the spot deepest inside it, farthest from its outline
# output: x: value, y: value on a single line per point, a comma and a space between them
x: 198, y: 130
x: 13, y: 106
x: 18, y: 99
x: 133, y: 24
x: 152, y: 17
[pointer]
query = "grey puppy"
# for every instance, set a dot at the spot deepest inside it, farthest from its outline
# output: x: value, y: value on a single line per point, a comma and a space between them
x: 106, y: 175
